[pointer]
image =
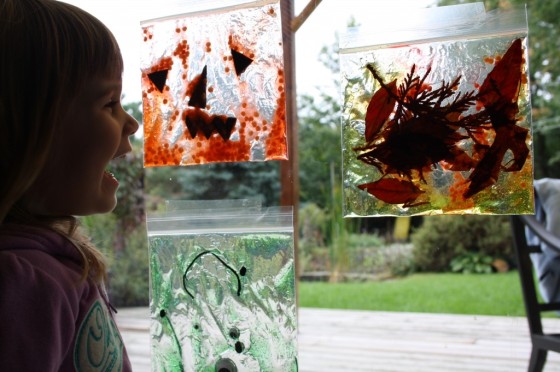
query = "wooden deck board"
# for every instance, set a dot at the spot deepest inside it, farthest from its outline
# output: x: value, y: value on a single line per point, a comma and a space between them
x: 352, y: 341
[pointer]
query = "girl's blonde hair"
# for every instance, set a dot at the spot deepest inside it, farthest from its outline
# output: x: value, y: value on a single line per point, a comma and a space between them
x: 49, y: 49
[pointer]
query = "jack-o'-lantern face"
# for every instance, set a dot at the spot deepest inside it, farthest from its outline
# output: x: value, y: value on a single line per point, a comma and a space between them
x: 213, y: 88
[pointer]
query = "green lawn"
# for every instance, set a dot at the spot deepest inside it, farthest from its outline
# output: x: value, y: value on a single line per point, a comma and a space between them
x: 483, y: 294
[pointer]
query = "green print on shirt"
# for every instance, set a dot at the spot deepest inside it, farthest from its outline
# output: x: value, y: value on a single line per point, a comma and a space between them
x: 98, y: 345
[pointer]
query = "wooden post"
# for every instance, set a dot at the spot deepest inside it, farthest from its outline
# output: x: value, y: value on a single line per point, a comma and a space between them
x: 289, y: 169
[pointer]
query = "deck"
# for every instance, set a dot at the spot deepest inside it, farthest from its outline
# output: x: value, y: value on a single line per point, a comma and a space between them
x: 353, y: 341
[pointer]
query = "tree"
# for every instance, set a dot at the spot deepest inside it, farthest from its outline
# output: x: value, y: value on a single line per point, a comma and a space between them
x: 216, y: 181
x: 319, y: 149
x: 319, y: 138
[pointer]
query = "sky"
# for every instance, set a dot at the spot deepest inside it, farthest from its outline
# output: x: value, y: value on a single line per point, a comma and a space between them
x: 330, y: 17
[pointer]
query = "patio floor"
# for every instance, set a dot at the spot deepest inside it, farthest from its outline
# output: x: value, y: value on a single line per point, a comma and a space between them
x: 351, y: 341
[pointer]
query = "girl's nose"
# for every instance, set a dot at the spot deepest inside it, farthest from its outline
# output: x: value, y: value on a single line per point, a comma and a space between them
x: 131, y: 125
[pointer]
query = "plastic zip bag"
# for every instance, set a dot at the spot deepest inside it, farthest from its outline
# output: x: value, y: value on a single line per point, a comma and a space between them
x: 222, y: 289
x: 252, y: 205
x: 436, y: 114
x: 213, y: 84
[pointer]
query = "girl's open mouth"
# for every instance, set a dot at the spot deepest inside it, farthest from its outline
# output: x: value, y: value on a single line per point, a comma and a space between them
x: 110, y: 176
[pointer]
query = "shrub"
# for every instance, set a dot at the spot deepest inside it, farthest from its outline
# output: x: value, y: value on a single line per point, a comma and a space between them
x: 313, y: 225
x: 312, y: 239
x: 128, y: 267
x: 382, y: 260
x: 365, y: 256
x: 401, y: 261
x: 472, y: 263
x: 129, y: 272
x: 364, y: 241
x: 442, y: 238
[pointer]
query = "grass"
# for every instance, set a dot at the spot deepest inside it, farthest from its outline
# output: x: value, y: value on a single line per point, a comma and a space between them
x: 482, y: 294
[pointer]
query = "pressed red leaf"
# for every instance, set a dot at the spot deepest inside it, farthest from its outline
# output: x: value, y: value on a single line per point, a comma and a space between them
x: 380, y: 107
x: 499, y: 93
x: 392, y: 191
x: 461, y: 160
x: 501, y: 86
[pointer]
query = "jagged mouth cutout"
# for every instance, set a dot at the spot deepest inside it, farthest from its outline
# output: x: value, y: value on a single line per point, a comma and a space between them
x: 197, y: 118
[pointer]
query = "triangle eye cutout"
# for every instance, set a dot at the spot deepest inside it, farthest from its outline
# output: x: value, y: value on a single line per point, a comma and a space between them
x: 158, y: 78
x: 240, y: 61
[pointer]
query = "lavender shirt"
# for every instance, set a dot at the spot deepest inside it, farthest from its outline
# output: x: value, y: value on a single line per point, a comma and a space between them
x: 50, y: 320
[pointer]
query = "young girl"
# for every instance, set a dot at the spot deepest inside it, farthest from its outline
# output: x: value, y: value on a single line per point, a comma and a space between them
x: 61, y: 124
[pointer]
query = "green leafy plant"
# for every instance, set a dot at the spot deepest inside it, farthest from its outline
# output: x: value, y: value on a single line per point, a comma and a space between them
x: 129, y: 272
x: 472, y: 263
x: 442, y: 238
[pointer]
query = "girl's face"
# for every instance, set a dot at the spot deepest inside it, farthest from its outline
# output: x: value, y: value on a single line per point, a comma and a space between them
x: 94, y: 131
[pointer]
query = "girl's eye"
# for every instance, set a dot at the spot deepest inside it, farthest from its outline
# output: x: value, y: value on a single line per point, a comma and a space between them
x: 111, y: 104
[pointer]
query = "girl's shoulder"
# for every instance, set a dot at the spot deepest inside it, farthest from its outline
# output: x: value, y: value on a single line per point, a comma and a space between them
x: 17, y: 238
x: 45, y: 302
x: 37, y: 252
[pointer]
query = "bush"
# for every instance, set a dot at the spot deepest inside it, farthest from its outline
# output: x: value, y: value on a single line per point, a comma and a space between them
x: 364, y: 241
x: 367, y: 257
x: 472, y: 263
x: 312, y: 239
x: 128, y: 267
x: 440, y: 239
x: 129, y: 272
x: 382, y: 260
x: 313, y: 225
x: 401, y: 261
